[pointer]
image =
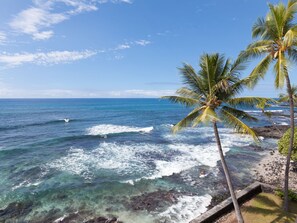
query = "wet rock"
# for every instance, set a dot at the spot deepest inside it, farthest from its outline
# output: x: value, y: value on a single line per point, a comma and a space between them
x: 103, y: 220
x: 254, y: 147
x: 153, y: 201
x: 59, y: 196
x: 16, y: 209
x: 272, y: 131
x: 71, y: 218
x: 49, y: 216
x: 218, y: 198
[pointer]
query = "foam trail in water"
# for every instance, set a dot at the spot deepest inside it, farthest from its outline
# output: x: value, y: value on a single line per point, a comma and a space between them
x: 116, y: 129
x: 187, y: 208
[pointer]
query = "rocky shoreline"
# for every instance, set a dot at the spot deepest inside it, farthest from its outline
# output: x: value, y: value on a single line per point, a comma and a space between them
x: 271, y: 168
x: 271, y: 131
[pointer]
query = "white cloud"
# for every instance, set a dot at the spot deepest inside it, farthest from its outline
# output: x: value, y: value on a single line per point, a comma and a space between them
x: 53, y: 57
x: 142, y: 42
x: 3, y: 38
x: 31, y: 21
x: 130, y: 44
x: 38, y: 20
x: 58, y: 57
x: 141, y: 93
x: 123, y: 47
x: 43, y: 35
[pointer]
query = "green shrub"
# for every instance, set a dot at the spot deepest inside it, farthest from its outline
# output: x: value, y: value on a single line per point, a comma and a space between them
x: 292, y: 194
x: 284, y: 142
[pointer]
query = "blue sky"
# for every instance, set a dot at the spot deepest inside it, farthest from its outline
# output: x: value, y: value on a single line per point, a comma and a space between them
x: 117, y: 48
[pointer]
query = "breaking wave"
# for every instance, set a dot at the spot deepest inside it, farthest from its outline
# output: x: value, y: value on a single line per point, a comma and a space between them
x: 116, y: 129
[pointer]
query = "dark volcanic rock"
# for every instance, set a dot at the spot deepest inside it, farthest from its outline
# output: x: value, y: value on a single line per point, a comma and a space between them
x: 16, y: 209
x: 103, y: 220
x: 153, y: 201
x: 218, y: 198
x: 273, y: 131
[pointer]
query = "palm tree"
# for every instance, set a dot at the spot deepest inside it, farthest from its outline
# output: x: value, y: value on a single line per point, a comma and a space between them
x: 285, y: 97
x: 276, y: 44
x: 211, y: 93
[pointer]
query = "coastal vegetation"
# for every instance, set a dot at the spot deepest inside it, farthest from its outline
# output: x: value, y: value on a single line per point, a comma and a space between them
x: 284, y: 143
x: 277, y: 46
x: 292, y: 194
x: 211, y: 92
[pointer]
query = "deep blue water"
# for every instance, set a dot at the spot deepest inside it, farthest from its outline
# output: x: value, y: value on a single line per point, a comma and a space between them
x: 112, y: 150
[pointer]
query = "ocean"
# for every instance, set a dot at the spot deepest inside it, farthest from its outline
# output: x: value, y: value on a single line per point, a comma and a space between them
x: 94, y: 157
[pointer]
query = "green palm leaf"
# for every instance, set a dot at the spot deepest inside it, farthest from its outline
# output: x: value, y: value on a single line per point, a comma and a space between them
x: 259, y: 71
x: 250, y: 101
x: 239, y: 113
x: 281, y: 71
x: 182, y: 100
x: 187, y: 121
x: 186, y: 92
x: 208, y: 115
x: 237, y: 124
x: 190, y: 78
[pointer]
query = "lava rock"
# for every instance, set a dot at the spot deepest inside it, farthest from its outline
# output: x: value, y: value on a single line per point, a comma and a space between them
x: 272, y: 131
x: 153, y: 201
x: 16, y: 209
x: 103, y: 220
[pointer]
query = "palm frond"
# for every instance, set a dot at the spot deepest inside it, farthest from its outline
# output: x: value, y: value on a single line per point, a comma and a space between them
x: 237, y: 124
x: 239, y: 65
x: 208, y: 115
x: 281, y: 71
x: 187, y: 121
x: 239, y: 113
x: 259, y: 28
x: 189, y: 102
x: 291, y: 10
x: 292, y: 54
x: 259, y: 71
x: 290, y: 37
x: 250, y: 101
x: 277, y: 14
x: 186, y: 92
x: 255, y: 50
x: 190, y: 78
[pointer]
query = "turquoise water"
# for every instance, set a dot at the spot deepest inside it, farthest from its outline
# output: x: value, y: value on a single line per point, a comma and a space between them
x: 93, y: 155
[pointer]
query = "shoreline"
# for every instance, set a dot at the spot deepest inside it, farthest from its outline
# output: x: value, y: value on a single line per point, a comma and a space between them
x: 271, y: 167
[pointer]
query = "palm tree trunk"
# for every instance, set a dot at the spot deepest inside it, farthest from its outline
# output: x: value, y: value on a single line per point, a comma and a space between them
x: 286, y: 186
x: 227, y: 175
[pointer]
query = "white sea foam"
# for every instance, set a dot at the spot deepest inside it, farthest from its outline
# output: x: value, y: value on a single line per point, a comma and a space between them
x: 115, y: 129
x: 26, y: 183
x: 147, y: 161
x: 187, y: 208
x: 259, y: 111
x: 119, y: 158
x: 283, y: 123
